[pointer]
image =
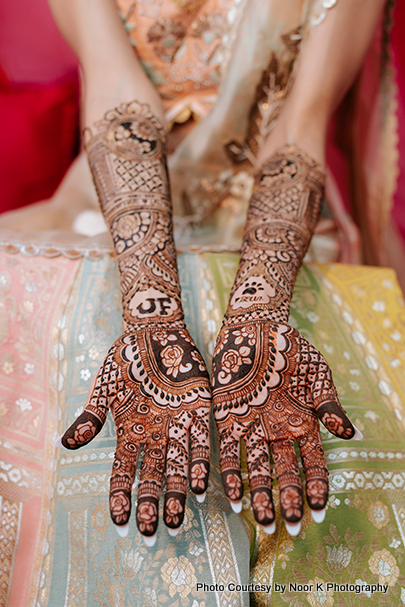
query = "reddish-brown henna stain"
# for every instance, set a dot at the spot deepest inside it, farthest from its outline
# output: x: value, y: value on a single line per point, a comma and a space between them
x: 153, y: 379
x: 270, y: 385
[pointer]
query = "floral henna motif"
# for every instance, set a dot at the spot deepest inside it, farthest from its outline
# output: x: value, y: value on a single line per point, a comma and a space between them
x: 198, y: 477
x: 172, y: 357
x: 262, y: 505
x: 334, y: 421
x: 127, y: 156
x: 231, y: 362
x: 270, y: 385
x: 83, y: 433
x: 153, y: 380
x: 317, y: 493
x: 120, y: 507
x: 291, y: 504
x: 147, y: 516
x: 282, y: 216
x: 233, y: 483
x: 174, y: 509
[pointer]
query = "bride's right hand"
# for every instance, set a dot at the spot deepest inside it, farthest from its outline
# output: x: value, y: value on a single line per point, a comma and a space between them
x: 156, y: 385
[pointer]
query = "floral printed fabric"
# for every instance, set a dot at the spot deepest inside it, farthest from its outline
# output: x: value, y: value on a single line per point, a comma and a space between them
x: 59, y: 316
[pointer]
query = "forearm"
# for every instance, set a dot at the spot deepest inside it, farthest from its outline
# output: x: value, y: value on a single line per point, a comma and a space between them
x: 127, y: 156
x: 282, y: 216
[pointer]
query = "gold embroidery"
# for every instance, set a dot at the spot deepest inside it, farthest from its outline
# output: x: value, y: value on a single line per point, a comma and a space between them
x: 188, y: 6
x: 271, y: 92
x: 9, y: 523
x: 221, y: 555
x: 179, y: 576
x: 166, y: 36
x: 76, y: 595
x: 372, y: 296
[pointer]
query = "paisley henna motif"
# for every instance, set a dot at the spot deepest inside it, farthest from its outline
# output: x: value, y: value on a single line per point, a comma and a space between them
x: 270, y: 385
x: 153, y: 379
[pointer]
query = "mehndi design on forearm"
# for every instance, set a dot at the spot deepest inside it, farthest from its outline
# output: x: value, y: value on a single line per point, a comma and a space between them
x: 153, y: 379
x: 282, y: 216
x: 128, y: 161
x: 270, y: 385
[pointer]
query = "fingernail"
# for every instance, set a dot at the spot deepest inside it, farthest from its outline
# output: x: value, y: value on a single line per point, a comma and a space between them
x: 236, y: 506
x: 293, y: 528
x: 173, y: 532
x: 270, y: 529
x: 357, y: 435
x: 58, y: 442
x: 200, y: 497
x: 318, y: 515
x: 149, y: 540
x: 122, y: 530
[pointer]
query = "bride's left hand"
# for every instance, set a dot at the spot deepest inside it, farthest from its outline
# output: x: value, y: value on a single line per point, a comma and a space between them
x: 270, y: 387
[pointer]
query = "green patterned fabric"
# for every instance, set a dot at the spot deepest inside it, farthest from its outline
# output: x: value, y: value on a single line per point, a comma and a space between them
x: 110, y: 570
x: 60, y: 547
x: 355, y: 316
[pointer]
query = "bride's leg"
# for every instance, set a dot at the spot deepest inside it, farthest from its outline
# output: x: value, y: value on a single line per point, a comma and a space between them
x: 329, y: 61
x: 111, y: 72
x: 76, y: 193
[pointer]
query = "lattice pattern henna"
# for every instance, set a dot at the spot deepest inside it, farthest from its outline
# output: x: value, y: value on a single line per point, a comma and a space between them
x: 145, y: 177
x: 157, y: 388
x: 153, y: 380
x: 282, y: 215
x: 127, y: 156
x: 265, y: 378
x: 270, y: 385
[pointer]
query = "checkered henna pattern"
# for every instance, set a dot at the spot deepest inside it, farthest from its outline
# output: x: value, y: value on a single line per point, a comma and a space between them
x: 270, y: 386
x: 153, y: 379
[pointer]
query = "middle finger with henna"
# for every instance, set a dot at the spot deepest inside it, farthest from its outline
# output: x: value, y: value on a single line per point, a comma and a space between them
x: 289, y: 482
x: 258, y: 463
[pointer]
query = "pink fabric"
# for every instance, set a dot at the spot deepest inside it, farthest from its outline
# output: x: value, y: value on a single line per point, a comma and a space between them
x: 39, y: 106
x: 36, y: 290
x: 39, y: 55
x: 398, y: 212
x: 31, y: 48
x: 39, y: 139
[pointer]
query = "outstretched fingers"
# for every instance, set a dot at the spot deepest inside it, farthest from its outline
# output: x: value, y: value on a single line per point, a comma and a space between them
x: 151, y: 477
x: 196, y: 425
x: 326, y: 402
x: 335, y: 419
x: 176, y: 471
x: 122, y: 479
x: 200, y: 450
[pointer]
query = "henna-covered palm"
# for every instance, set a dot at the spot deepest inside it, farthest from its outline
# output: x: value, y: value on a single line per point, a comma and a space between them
x: 271, y: 386
x: 155, y: 383
x: 153, y: 379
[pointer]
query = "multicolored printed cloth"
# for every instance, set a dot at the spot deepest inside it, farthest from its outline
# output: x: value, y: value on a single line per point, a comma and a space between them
x: 59, y: 315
